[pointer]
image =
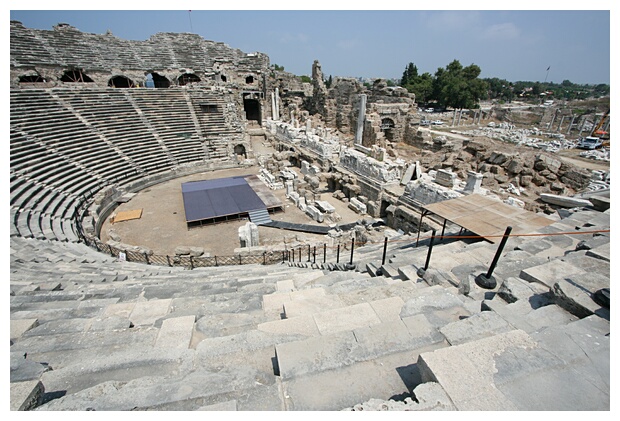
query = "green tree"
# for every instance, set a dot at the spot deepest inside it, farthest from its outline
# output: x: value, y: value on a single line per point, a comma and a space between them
x: 329, y: 81
x: 409, y: 75
x: 422, y: 87
x: 305, y: 79
x: 458, y: 86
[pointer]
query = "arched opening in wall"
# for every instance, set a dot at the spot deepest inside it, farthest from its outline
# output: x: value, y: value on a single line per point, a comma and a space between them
x: 251, y: 106
x: 223, y: 78
x: 383, y: 211
x: 75, y: 75
x: 32, y: 79
x: 240, y: 151
x: 186, y: 78
x: 387, y: 127
x: 155, y: 80
x: 121, y: 82
x: 249, y: 80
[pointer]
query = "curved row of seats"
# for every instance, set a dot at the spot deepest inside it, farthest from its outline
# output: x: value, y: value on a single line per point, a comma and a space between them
x: 66, y: 144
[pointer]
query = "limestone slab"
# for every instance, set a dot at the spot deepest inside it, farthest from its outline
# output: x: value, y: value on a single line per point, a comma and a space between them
x: 477, y: 326
x: 19, y: 326
x: 302, y: 325
x: 549, y: 273
x: 314, y: 354
x: 25, y: 395
x: 388, y: 309
x: 312, y: 305
x: 346, y: 318
x: 176, y: 332
x: 466, y: 372
x: 119, y: 310
x: 148, y: 312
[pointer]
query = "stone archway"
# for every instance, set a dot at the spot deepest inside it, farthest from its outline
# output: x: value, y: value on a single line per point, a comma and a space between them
x: 240, y: 151
x: 75, y: 75
x: 155, y: 80
x: 120, y: 82
x: 187, y: 78
x: 387, y: 127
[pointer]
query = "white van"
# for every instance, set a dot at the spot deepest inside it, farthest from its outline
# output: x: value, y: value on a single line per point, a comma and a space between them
x: 589, y: 142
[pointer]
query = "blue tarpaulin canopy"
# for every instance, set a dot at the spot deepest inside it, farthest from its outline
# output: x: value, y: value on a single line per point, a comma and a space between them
x: 209, y: 199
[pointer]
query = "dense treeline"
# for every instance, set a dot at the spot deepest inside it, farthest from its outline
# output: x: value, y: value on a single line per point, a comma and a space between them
x: 460, y: 87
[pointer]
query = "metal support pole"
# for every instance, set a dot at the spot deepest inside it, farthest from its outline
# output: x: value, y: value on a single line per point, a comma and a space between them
x: 443, y: 229
x: 314, y: 255
x: 338, y: 254
x: 430, y: 250
x: 352, y: 247
x: 191, y: 262
x: 324, y: 252
x: 215, y: 260
x: 419, y: 227
x: 168, y: 259
x: 308, y: 252
x: 146, y: 256
x: 384, y: 250
x: 487, y: 281
x: 299, y: 254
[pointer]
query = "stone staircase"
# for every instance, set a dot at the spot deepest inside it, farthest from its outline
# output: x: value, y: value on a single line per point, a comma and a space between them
x: 87, y: 331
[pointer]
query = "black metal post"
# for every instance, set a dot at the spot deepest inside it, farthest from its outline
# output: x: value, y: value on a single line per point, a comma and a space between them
x: 324, y: 252
x: 352, y: 247
x: 430, y: 250
x: 314, y: 255
x: 215, y: 260
x: 384, y: 250
x: 488, y: 281
x: 168, y: 259
x: 338, y: 254
x: 308, y: 252
x: 146, y: 256
x: 299, y: 254
x: 443, y: 229
x: 264, y: 258
x: 191, y: 262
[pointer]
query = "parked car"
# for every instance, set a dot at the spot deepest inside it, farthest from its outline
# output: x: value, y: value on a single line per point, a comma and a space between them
x: 437, y: 123
x: 589, y: 142
x: 425, y: 123
x: 430, y: 110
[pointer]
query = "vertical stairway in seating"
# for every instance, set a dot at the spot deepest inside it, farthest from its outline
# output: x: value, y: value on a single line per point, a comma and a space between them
x: 259, y: 216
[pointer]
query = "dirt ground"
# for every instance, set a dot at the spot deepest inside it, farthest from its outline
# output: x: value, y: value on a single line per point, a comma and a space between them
x: 162, y: 226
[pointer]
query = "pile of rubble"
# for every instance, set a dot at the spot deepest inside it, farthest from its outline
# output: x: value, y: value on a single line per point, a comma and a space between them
x: 533, y: 137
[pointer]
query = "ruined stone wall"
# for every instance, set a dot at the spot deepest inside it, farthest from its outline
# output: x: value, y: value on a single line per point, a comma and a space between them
x: 342, y: 104
x: 49, y: 53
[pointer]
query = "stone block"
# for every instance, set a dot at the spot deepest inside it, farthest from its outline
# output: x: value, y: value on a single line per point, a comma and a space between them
x: 26, y: 395
x: 19, y: 326
x: 148, y: 312
x: 176, y: 332
x: 346, y: 318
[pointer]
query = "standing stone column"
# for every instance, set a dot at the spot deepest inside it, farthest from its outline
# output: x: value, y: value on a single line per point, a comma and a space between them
x: 273, y: 106
x: 277, y: 99
x: 361, y: 116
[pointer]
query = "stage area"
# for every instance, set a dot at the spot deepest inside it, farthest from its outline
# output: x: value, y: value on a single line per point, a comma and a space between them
x: 223, y: 199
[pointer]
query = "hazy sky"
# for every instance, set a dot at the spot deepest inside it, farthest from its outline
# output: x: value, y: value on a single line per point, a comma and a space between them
x: 509, y: 44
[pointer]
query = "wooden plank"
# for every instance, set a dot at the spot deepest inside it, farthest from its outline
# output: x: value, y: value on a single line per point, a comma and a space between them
x: 128, y: 215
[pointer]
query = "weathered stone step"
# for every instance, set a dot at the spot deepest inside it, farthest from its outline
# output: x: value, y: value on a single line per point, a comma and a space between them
x: 559, y: 368
x: 251, y: 390
x: 336, y: 350
x: 521, y: 314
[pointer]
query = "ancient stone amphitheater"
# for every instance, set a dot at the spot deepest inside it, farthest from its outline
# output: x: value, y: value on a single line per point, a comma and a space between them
x: 91, y: 332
